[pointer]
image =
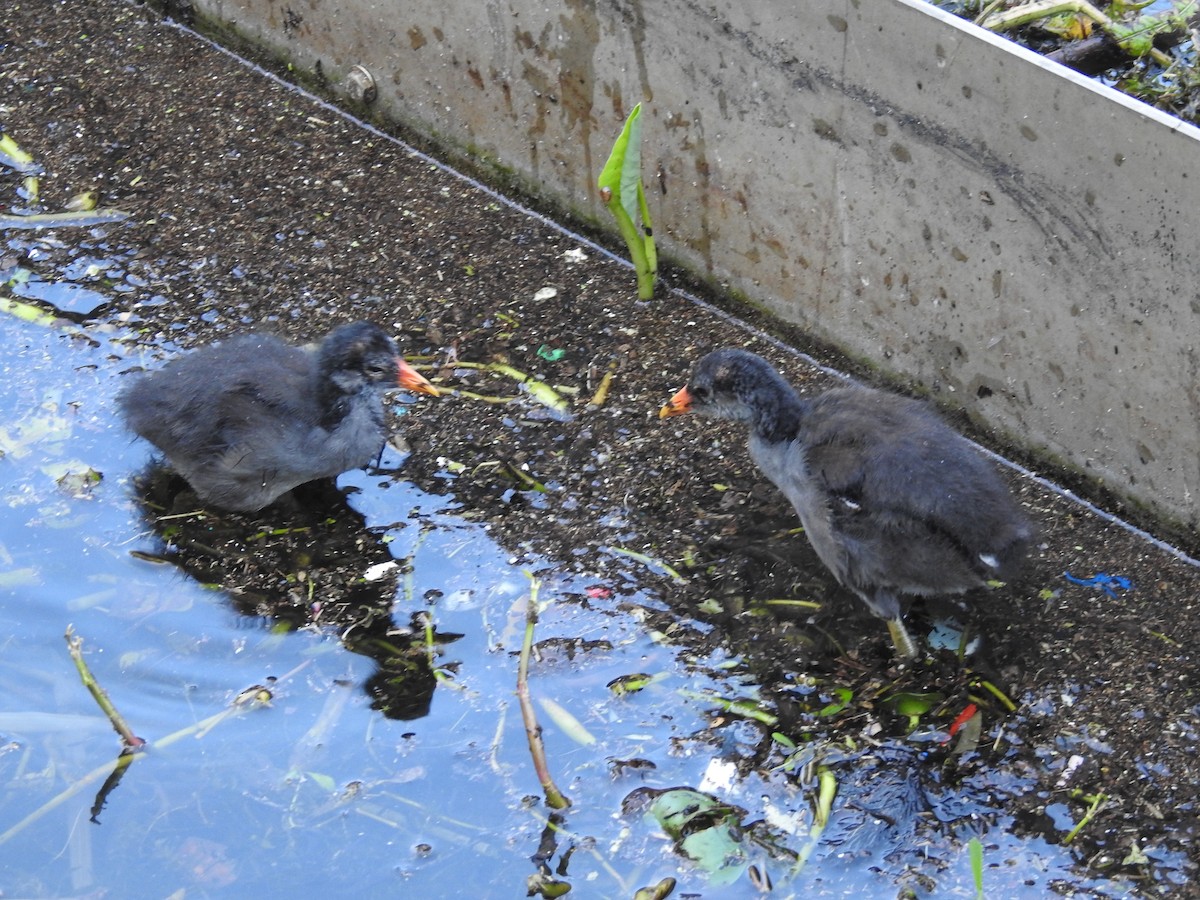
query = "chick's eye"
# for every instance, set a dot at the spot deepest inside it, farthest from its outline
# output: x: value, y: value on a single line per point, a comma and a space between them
x: 700, y: 392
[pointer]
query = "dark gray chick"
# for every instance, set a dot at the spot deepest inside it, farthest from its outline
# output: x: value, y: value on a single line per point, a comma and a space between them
x: 250, y: 418
x: 893, y: 500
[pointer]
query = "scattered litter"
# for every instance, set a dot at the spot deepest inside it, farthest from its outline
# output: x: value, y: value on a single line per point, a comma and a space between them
x: 379, y: 570
x: 1102, y: 580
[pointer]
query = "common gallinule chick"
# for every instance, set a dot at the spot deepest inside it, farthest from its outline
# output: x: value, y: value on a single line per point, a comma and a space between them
x: 892, y: 499
x: 247, y: 420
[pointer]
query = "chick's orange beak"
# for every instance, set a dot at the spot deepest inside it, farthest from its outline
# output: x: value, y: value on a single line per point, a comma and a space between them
x: 677, y: 405
x: 410, y: 379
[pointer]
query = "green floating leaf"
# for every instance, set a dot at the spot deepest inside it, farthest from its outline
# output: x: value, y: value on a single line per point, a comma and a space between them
x: 323, y: 781
x: 543, y: 885
x: 630, y: 684
x: 705, y: 830
x: 567, y: 723
x: 681, y: 810
x: 27, y: 312
x: 717, y: 851
x: 975, y: 849
x: 844, y: 695
x: 660, y: 891
x: 73, y: 477
x: 43, y: 425
x: 749, y: 709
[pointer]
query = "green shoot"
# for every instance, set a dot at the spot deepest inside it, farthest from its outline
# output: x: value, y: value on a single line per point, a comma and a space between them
x: 622, y: 192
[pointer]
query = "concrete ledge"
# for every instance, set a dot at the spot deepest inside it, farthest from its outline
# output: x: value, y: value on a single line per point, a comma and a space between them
x: 961, y: 213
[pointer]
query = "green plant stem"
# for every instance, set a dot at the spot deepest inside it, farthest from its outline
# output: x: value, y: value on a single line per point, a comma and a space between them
x: 539, y: 390
x: 1097, y: 802
x: 826, y: 791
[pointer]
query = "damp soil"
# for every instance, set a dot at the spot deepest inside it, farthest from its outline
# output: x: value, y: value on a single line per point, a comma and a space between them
x: 252, y: 206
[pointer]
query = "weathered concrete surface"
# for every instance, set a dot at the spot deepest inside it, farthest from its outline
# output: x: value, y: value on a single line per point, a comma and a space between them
x: 904, y: 186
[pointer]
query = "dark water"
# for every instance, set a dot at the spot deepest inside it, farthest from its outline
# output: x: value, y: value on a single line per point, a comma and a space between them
x: 385, y: 761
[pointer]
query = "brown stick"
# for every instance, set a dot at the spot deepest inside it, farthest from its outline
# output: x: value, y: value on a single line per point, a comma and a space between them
x: 1098, y: 53
x: 251, y: 699
x: 75, y: 646
x: 555, y: 799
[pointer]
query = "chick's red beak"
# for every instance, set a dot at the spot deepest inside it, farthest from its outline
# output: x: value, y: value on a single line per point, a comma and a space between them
x: 410, y: 379
x: 677, y: 405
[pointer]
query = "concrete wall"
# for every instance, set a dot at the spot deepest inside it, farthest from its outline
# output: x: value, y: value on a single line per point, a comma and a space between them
x: 900, y: 184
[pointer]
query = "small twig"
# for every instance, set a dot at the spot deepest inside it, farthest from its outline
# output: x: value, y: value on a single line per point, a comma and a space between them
x: 484, y: 398
x: 997, y: 693
x: 244, y: 701
x: 75, y: 647
x: 320, y: 733
x: 555, y: 799
x: 279, y: 532
x: 652, y: 562
x: 601, y: 394
x: 494, y: 752
x: 783, y: 601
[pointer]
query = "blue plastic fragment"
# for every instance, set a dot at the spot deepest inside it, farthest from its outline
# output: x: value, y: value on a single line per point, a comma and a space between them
x: 1102, y: 580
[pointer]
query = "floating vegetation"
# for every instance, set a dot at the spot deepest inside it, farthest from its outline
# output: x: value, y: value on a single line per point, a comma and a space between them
x: 631, y: 684
x: 704, y: 829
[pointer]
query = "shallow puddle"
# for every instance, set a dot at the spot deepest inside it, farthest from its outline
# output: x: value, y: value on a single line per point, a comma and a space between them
x: 370, y: 653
